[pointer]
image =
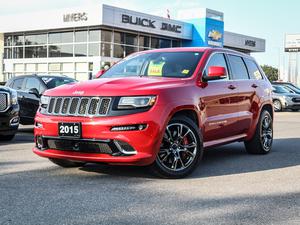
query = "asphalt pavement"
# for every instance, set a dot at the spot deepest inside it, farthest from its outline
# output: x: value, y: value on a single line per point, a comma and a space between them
x: 229, y: 187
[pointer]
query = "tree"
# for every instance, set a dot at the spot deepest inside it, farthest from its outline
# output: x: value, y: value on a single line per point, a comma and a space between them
x: 271, y: 72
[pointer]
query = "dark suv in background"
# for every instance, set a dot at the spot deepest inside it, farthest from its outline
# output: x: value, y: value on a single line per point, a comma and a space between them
x: 9, y: 113
x: 30, y: 88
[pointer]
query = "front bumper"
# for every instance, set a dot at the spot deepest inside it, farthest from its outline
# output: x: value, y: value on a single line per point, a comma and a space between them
x: 9, y: 121
x: 96, y: 132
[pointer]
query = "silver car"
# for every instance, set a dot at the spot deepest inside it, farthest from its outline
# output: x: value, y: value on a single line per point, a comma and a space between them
x: 284, y: 98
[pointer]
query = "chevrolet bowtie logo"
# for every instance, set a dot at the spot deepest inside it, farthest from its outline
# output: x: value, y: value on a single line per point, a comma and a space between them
x: 215, y: 35
x: 78, y: 93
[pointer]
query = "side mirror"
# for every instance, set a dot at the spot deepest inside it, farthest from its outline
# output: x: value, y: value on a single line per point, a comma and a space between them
x: 215, y: 73
x: 100, y: 73
x: 34, y: 91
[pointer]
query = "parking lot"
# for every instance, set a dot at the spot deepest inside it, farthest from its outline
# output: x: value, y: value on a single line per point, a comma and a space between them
x: 230, y: 187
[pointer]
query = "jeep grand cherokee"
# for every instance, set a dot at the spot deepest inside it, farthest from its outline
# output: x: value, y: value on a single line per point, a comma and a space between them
x: 158, y: 108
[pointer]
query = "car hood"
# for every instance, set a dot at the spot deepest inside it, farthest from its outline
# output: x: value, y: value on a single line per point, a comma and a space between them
x: 116, y: 86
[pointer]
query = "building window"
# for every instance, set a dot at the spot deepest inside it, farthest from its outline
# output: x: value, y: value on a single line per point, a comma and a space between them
x: 106, y: 36
x: 80, y: 36
x: 154, y: 42
x: 105, y: 50
x: 130, y: 49
x: 36, y: 52
x: 61, y: 51
x: 144, y: 41
x: 94, y: 49
x: 131, y: 39
x: 164, y: 43
x: 65, y: 37
x: 80, y: 50
x: 176, y: 43
x: 37, y: 39
x: 7, y: 53
x: 7, y: 40
x: 118, y: 51
x: 18, y: 40
x: 94, y: 35
x: 18, y: 52
x: 118, y: 37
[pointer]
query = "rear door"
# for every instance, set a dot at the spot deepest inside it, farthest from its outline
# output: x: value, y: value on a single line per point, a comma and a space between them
x: 247, y: 97
x: 219, y: 102
x: 18, y: 85
x: 31, y: 101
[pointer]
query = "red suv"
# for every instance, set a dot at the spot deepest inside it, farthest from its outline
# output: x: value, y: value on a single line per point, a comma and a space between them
x: 158, y: 108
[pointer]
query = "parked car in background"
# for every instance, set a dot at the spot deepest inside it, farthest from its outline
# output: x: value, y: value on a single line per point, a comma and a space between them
x: 284, y: 98
x: 9, y: 113
x: 30, y: 88
x: 289, y: 86
x: 158, y: 108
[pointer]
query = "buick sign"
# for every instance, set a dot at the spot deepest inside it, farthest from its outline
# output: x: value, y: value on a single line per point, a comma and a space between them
x: 144, y: 22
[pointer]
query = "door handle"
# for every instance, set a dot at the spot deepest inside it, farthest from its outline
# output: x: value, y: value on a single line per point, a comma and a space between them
x: 232, y: 87
x: 254, y: 86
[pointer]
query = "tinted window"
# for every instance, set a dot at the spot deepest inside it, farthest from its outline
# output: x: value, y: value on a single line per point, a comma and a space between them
x: 52, y: 82
x: 239, y: 71
x: 216, y: 60
x: 17, y: 84
x: 280, y: 89
x: 159, y: 64
x: 32, y: 82
x: 253, y: 70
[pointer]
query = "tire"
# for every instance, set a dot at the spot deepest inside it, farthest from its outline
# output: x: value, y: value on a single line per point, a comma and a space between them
x: 261, y: 142
x: 277, y: 106
x: 66, y: 163
x: 179, y: 155
x: 7, y: 137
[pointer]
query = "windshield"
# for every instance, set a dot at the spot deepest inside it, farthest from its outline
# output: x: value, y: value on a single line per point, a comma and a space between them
x: 280, y: 89
x: 159, y: 64
x: 52, y: 82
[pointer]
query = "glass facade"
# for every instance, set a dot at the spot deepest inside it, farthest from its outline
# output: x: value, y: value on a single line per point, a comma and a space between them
x: 77, y: 45
x: 82, y: 43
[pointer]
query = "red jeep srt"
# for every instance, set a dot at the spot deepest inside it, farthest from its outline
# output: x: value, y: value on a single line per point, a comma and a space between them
x: 158, y: 108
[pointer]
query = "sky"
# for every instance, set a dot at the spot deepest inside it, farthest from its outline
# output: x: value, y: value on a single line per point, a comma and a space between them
x: 268, y: 19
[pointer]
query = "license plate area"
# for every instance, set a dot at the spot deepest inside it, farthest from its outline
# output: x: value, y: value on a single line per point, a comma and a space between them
x: 69, y: 130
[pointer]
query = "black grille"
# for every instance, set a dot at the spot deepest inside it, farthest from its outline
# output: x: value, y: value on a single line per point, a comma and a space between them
x: 65, y: 106
x: 3, y: 101
x: 296, y: 99
x: 79, y: 106
x: 93, y: 106
x: 57, y: 105
x: 80, y: 146
x: 104, y: 106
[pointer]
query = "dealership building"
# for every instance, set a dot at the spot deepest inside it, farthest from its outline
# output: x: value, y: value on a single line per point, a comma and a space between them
x: 78, y: 42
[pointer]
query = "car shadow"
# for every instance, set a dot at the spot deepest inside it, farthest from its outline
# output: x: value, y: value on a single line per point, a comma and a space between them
x: 225, y: 160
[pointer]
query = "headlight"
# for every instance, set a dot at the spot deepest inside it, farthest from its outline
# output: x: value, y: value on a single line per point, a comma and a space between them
x: 44, y: 101
x: 14, y: 97
x: 136, y: 102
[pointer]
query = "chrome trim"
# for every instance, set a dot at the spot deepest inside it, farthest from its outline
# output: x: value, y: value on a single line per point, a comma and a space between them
x: 122, y: 150
x: 8, y: 100
x: 80, y: 99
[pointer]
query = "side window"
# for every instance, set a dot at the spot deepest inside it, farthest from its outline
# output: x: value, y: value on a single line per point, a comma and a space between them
x: 17, y: 84
x: 217, y: 60
x: 32, y: 82
x: 239, y: 70
x: 253, y: 70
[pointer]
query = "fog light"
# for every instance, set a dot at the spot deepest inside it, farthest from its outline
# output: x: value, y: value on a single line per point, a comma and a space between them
x: 14, y: 121
x: 39, y: 142
x: 129, y: 127
x: 38, y: 125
